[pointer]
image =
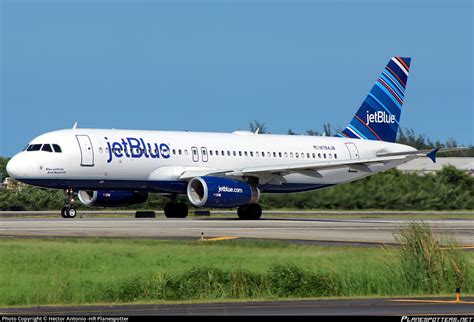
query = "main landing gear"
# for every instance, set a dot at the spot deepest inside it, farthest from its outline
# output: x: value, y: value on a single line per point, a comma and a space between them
x: 175, y: 209
x: 251, y: 211
x: 70, y: 210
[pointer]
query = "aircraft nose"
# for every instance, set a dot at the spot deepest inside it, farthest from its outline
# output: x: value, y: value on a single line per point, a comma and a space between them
x: 16, y: 167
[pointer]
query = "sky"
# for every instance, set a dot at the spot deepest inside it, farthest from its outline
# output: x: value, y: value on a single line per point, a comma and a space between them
x: 219, y: 65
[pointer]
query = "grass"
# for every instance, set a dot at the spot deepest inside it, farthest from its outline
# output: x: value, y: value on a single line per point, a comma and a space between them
x: 75, y: 271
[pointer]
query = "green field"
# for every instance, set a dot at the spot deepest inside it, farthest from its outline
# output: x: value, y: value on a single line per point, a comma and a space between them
x: 73, y: 271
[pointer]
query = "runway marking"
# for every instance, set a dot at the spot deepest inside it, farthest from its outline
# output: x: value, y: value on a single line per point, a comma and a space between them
x: 460, y: 247
x: 219, y: 238
x: 433, y: 301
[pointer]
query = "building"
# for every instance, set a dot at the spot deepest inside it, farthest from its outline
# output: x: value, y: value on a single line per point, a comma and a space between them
x: 425, y: 165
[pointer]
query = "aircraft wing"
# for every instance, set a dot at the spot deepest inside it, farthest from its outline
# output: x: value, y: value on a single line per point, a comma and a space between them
x: 312, y: 168
x: 306, y: 168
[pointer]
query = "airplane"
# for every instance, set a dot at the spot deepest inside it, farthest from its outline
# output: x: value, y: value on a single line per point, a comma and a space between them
x: 109, y: 167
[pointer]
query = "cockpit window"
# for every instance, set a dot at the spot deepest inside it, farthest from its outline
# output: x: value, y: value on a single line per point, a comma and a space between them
x: 47, y: 148
x: 34, y: 147
x: 56, y: 148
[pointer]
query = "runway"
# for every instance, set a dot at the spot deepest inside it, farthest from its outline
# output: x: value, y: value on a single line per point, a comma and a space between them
x: 360, y: 230
x: 394, y: 307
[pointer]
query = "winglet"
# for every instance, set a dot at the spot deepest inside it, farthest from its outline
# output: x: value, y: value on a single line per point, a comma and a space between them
x: 432, y: 155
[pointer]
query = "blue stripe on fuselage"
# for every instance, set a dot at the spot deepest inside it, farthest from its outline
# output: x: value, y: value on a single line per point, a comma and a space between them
x: 154, y: 186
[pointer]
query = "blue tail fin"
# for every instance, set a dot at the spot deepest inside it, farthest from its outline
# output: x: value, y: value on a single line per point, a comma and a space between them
x: 379, y: 115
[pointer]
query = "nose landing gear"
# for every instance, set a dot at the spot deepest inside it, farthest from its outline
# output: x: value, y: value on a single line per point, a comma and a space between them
x: 70, y: 210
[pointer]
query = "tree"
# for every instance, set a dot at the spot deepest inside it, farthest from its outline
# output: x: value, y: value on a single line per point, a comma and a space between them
x: 3, y: 167
x: 327, y: 129
x: 262, y: 129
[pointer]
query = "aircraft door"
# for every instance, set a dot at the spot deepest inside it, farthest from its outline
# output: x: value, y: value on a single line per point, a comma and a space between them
x: 195, y: 154
x: 87, y: 153
x: 353, y: 151
x: 204, y: 154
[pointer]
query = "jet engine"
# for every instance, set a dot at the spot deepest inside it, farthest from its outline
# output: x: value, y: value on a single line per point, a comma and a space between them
x: 220, y: 192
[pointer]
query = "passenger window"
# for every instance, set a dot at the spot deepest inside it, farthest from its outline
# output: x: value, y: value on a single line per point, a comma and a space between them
x: 179, y: 151
x: 245, y: 153
x: 302, y: 155
x: 240, y: 153
x: 335, y: 156
x: 286, y: 154
x: 296, y: 154
x: 101, y: 150
x: 263, y: 154
x: 279, y: 154
x: 274, y: 154
x: 307, y: 155
x: 57, y: 148
x: 319, y: 155
x: 228, y: 153
x: 185, y: 152
x: 174, y: 152
x: 47, y: 148
x: 291, y: 154
x: 34, y: 147
x: 324, y: 155
x: 233, y: 152
x: 257, y: 154
x: 210, y: 152
x: 330, y: 156
x: 251, y: 153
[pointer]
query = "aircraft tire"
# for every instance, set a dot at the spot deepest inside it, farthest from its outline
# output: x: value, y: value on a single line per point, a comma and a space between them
x: 181, y: 210
x: 251, y: 211
x: 169, y: 210
x: 71, y: 212
x: 176, y: 210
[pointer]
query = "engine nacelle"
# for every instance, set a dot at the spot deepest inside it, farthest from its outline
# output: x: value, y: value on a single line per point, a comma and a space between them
x: 221, y: 192
x: 111, y: 198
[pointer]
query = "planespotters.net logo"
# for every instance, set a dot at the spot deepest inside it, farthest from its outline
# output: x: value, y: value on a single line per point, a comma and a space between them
x: 437, y: 319
x: 228, y: 189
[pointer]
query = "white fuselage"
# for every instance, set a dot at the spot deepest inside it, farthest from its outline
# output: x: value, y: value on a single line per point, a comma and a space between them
x: 154, y: 160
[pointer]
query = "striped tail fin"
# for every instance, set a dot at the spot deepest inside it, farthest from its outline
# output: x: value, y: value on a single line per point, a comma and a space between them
x: 379, y: 115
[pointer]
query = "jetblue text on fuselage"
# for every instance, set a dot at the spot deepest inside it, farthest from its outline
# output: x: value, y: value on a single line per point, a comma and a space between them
x: 136, y: 148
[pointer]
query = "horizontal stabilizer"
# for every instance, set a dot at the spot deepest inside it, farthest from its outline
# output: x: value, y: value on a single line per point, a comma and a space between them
x: 430, y: 153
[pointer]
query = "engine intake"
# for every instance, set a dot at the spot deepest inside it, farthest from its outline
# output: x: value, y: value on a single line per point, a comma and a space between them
x: 111, y: 198
x: 221, y: 192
